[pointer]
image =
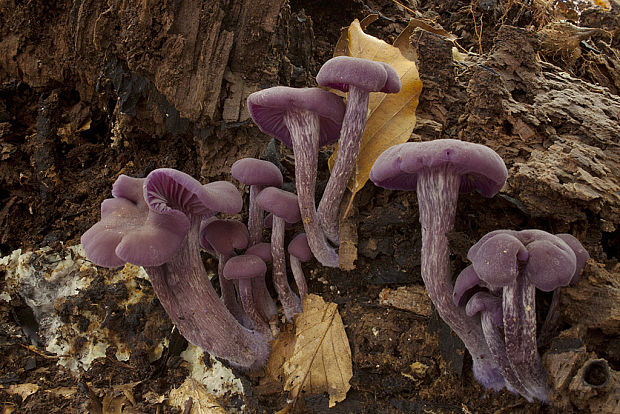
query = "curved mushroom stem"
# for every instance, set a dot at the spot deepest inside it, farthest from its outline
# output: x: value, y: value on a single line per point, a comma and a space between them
x: 437, y: 197
x: 353, y: 125
x: 256, y: 217
x: 290, y: 302
x: 519, y: 307
x: 229, y: 296
x: 185, y: 292
x: 298, y: 274
x: 497, y: 347
x: 304, y: 127
x: 245, y: 292
x: 264, y: 302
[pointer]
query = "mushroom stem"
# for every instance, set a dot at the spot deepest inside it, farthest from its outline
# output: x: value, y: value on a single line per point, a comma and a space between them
x: 227, y: 288
x: 290, y: 302
x: 519, y: 307
x: 304, y: 126
x: 298, y: 274
x: 185, y: 292
x: 438, y: 191
x: 255, y: 217
x: 497, y: 347
x: 245, y: 292
x: 264, y: 301
x: 353, y: 125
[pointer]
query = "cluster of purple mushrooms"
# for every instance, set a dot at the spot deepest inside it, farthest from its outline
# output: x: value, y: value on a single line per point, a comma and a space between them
x: 163, y: 221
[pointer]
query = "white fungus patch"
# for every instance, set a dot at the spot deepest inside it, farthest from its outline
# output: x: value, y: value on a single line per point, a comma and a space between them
x: 217, y: 379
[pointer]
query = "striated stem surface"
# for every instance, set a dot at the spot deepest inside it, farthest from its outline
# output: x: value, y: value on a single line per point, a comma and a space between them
x: 290, y: 302
x: 186, y: 294
x: 353, y: 125
x: 304, y: 128
x: 519, y: 308
x: 438, y: 191
x: 256, y: 217
x: 300, y: 278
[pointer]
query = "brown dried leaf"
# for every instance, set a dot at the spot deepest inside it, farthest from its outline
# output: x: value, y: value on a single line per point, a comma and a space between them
x: 391, y: 116
x: 202, y: 402
x: 321, y: 357
x: 23, y: 390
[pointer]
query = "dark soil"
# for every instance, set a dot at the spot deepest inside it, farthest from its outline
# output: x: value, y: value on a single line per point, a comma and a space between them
x: 89, y: 91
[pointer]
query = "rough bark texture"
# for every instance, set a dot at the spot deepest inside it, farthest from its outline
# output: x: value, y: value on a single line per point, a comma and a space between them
x: 90, y: 89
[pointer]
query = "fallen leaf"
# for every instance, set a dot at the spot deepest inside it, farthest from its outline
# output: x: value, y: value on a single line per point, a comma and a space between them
x: 391, y: 116
x: 201, y: 401
x: 23, y: 390
x: 321, y: 358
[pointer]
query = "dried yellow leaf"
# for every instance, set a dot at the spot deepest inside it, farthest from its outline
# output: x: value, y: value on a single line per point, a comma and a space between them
x: 321, y: 357
x: 391, y: 116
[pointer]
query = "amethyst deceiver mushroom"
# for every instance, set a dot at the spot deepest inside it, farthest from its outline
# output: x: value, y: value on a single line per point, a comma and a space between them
x: 491, y: 320
x: 516, y: 263
x: 285, y: 208
x: 264, y: 301
x: 258, y: 174
x: 438, y: 170
x: 359, y: 77
x: 303, y: 119
x: 244, y: 269
x: 160, y: 231
x: 225, y: 236
x: 299, y: 251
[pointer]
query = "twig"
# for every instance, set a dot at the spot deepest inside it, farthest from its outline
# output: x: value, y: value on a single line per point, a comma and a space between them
x: 36, y: 351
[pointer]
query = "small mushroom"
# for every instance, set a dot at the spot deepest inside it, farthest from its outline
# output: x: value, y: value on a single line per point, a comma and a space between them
x: 160, y: 231
x: 264, y: 302
x: 303, y: 119
x: 438, y: 170
x: 285, y: 208
x: 491, y: 319
x: 358, y: 77
x: 258, y: 174
x: 299, y: 251
x: 518, y: 262
x: 224, y: 236
x: 245, y: 269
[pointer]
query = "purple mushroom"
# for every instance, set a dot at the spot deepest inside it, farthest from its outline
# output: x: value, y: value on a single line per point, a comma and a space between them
x: 264, y: 302
x: 299, y: 252
x: 245, y: 269
x: 491, y: 319
x: 439, y: 170
x: 258, y: 174
x: 358, y: 77
x: 224, y: 236
x: 285, y: 208
x: 303, y: 119
x: 160, y: 231
x: 515, y: 263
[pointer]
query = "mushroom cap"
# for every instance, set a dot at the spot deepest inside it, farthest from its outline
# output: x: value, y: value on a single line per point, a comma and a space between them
x: 268, y: 106
x: 225, y: 235
x: 245, y: 266
x: 148, y: 229
x: 262, y: 250
x: 552, y: 264
x: 479, y: 166
x: 204, y: 243
x: 581, y: 254
x: 269, y: 222
x: 299, y: 248
x: 129, y: 232
x: 280, y: 203
x: 342, y: 72
x: 486, y: 302
x: 252, y: 171
x: 496, y: 259
x: 466, y: 284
